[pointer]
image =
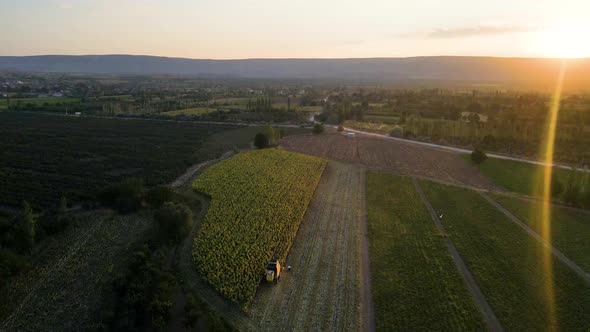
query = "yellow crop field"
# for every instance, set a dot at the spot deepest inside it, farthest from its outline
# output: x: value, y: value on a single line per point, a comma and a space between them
x: 258, y: 200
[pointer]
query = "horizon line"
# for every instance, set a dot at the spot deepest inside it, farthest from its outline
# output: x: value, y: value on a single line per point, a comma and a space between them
x: 299, y: 58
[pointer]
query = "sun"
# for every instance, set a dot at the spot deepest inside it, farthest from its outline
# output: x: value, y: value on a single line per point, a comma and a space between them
x: 567, y: 40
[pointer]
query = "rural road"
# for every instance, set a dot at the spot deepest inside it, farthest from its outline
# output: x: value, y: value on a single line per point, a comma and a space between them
x: 558, y: 254
x: 478, y: 297
x: 431, y: 145
x: 458, y: 150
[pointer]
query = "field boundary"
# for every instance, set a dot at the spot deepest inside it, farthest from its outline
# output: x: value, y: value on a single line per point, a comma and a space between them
x: 368, y: 311
x: 476, y: 293
x: 558, y: 254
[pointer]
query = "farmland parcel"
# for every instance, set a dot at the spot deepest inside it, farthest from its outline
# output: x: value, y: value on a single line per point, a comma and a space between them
x: 258, y: 200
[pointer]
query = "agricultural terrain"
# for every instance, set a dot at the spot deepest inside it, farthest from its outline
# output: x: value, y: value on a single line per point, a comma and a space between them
x: 63, y: 290
x: 517, y: 176
x: 322, y: 291
x: 415, y: 284
x: 43, y: 157
x: 258, y: 200
x: 388, y: 155
x: 526, y: 287
x: 570, y: 228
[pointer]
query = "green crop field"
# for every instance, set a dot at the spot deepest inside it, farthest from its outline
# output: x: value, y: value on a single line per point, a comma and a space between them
x: 38, y: 101
x: 508, y: 266
x: 258, y: 200
x: 517, y: 176
x: 413, y: 278
x: 43, y: 157
x: 570, y: 229
x: 382, y: 118
x: 191, y: 111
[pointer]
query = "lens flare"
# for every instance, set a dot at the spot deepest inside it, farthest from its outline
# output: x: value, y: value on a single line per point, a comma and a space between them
x: 543, y: 190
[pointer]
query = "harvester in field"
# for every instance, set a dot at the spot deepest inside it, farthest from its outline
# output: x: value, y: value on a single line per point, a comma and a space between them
x: 273, y: 271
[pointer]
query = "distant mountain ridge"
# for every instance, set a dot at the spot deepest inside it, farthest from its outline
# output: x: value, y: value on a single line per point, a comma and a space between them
x: 367, y: 69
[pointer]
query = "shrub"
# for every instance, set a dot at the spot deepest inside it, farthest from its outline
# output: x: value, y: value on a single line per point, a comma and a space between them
x: 11, y: 263
x: 159, y: 195
x: 174, y: 221
x: 55, y: 224
x: 478, y: 156
x: 318, y: 128
x: 571, y: 195
x: 125, y: 197
x: 25, y: 229
x: 409, y: 134
x: 397, y: 131
x: 556, y: 187
x: 260, y: 141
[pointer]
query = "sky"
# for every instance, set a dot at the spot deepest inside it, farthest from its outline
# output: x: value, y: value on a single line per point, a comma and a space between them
x: 232, y: 29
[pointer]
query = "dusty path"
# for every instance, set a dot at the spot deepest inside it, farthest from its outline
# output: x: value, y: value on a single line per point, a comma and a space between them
x: 191, y: 171
x: 478, y: 297
x: 322, y: 290
x: 558, y: 254
x: 367, y: 304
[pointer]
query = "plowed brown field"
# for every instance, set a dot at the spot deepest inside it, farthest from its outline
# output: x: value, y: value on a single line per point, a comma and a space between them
x: 389, y: 155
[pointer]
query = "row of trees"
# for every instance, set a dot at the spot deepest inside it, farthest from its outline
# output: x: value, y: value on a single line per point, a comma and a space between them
x: 260, y: 104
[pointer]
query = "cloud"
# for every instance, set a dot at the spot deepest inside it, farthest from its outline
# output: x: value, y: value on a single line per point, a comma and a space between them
x: 464, y: 32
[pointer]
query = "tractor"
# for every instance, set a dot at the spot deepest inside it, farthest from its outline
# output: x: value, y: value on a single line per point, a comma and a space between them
x: 273, y: 271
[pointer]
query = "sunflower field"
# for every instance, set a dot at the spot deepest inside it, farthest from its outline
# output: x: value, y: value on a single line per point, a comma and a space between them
x: 258, y: 200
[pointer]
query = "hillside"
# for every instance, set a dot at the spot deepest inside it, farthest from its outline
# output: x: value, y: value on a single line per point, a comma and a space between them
x: 480, y: 69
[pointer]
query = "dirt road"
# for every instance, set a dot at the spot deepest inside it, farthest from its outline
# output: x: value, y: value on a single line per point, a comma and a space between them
x: 322, y: 290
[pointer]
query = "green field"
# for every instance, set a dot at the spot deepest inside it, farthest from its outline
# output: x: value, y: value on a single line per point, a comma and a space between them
x: 191, y: 111
x: 43, y: 157
x: 414, y: 281
x: 37, y: 101
x: 570, y: 229
x: 382, y: 118
x: 295, y: 107
x: 515, y: 176
x: 258, y: 199
x: 508, y: 265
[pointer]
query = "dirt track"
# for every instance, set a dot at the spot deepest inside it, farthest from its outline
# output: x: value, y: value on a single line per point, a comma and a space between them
x: 389, y: 155
x: 322, y: 290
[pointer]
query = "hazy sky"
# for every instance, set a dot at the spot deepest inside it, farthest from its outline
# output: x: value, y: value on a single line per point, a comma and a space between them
x: 223, y: 29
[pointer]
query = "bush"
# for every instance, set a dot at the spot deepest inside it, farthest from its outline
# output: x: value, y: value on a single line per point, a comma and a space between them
x: 24, y: 231
x: 125, y: 197
x: 571, y: 196
x: 11, y: 263
x: 409, y: 134
x: 159, y: 195
x: 260, y: 141
x: 174, y: 222
x: 143, y: 296
x: 318, y: 128
x: 556, y: 187
x: 478, y: 156
x: 55, y: 224
x: 397, y: 131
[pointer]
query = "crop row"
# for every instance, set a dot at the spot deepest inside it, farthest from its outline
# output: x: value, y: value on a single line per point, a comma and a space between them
x: 258, y: 200
x: 413, y: 278
x: 43, y: 157
x: 527, y: 290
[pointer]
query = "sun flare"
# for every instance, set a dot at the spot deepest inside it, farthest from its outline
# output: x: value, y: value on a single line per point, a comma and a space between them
x: 566, y: 40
